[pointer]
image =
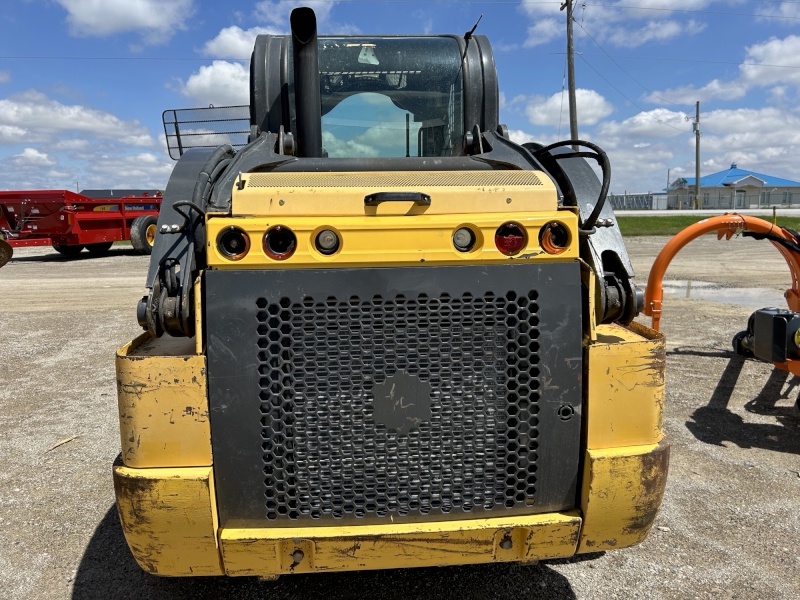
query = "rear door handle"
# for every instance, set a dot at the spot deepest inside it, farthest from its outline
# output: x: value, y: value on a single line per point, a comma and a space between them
x: 415, y: 197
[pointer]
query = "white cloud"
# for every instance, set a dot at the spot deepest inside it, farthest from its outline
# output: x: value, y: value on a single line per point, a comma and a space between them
x: 616, y: 23
x: 548, y: 111
x: 641, y: 148
x: 32, y: 116
x: 774, y: 51
x: 653, y: 31
x: 788, y: 11
x: 235, y: 42
x: 30, y: 157
x: 5, y: 76
x: 656, y: 123
x: 156, y: 19
x: 337, y: 148
x: 137, y: 170
x: 277, y: 14
x: 522, y: 137
x: 543, y: 31
x: 757, y: 70
x: 221, y: 83
x: 10, y: 135
x: 689, y: 94
x: 71, y: 144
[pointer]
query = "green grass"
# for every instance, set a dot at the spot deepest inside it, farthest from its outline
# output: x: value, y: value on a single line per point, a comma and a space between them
x: 672, y: 225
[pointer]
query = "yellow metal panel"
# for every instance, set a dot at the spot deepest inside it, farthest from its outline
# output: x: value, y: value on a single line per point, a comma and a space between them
x: 169, y: 519
x: 342, y: 194
x: 622, y: 492
x: 271, y: 552
x: 163, y: 404
x: 198, y: 316
x: 625, y: 403
x: 389, y: 241
x: 589, y: 279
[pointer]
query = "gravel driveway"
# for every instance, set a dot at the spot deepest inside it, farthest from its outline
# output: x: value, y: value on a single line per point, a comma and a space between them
x: 729, y: 526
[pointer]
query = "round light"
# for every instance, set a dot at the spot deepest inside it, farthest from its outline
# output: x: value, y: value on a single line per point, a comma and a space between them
x: 280, y: 243
x: 511, y: 238
x: 464, y: 239
x: 327, y: 241
x: 233, y: 243
x: 554, y: 238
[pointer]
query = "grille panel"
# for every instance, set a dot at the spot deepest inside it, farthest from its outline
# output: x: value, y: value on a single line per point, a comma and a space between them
x: 403, y: 180
x: 324, y: 453
x: 302, y: 364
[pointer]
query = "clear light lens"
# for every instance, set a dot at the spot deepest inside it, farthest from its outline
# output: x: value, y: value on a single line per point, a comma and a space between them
x: 327, y: 242
x: 464, y: 239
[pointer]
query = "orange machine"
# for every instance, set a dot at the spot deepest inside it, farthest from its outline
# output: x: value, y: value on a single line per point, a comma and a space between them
x: 772, y: 334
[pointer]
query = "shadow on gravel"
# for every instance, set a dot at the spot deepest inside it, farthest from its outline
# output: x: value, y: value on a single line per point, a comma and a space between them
x: 715, y: 423
x: 55, y: 257
x: 108, y: 570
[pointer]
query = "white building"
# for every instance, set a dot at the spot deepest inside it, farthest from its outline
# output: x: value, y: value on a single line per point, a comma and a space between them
x: 735, y: 188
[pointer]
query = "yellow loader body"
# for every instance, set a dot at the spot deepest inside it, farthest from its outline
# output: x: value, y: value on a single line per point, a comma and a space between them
x: 165, y: 482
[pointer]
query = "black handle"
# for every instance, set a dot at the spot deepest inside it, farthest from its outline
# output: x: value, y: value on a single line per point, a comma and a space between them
x: 415, y: 197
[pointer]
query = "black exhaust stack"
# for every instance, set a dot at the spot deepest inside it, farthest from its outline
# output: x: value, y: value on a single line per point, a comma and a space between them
x: 307, y: 101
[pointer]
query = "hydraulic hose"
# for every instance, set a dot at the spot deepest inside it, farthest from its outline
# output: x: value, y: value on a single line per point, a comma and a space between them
x: 587, y: 227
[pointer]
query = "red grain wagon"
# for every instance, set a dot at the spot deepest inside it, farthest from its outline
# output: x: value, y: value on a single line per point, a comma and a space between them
x: 70, y: 222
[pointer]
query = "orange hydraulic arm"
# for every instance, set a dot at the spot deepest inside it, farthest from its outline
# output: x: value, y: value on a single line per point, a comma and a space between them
x: 725, y: 225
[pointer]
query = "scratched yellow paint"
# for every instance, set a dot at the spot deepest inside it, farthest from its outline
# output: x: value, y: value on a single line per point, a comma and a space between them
x: 169, y: 519
x: 163, y: 404
x: 342, y: 194
x: 271, y: 552
x: 625, y: 403
x: 621, y: 494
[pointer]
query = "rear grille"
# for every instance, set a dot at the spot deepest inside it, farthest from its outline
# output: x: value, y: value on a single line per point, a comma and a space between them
x: 404, y: 393
x: 325, y: 455
x: 404, y: 180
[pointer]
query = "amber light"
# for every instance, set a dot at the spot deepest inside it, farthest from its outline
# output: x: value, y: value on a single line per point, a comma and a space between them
x: 554, y: 238
x: 280, y: 243
x: 233, y: 243
x: 511, y: 238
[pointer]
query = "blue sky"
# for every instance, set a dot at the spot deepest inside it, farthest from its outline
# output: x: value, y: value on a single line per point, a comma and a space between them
x: 97, y: 121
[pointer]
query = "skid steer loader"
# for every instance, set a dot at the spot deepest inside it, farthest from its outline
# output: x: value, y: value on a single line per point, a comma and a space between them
x: 381, y: 334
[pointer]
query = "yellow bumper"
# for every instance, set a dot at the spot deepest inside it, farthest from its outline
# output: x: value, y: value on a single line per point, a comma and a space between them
x: 169, y: 519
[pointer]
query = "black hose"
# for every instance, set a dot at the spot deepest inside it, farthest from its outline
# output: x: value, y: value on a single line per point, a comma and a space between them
x: 789, y: 245
x: 588, y: 226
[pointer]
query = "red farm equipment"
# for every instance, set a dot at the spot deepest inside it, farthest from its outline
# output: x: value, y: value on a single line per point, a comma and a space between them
x: 70, y: 222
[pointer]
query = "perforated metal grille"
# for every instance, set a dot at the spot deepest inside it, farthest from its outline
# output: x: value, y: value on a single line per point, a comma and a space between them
x: 393, y: 179
x: 324, y: 454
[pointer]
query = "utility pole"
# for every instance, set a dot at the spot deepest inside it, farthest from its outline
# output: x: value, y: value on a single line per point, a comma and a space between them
x: 698, y: 203
x: 667, y: 188
x: 573, y: 106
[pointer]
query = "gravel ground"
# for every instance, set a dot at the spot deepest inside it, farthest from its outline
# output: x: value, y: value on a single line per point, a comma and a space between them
x: 729, y: 526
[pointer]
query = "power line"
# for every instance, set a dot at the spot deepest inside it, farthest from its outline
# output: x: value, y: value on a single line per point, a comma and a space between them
x: 127, y: 58
x: 483, y: 2
x: 660, y: 58
x: 534, y: 2
x: 704, y: 12
x: 623, y: 70
x: 500, y: 54
x: 628, y: 99
x: 561, y: 110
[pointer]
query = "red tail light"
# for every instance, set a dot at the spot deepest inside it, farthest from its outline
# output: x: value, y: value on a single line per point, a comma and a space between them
x: 511, y: 239
x: 280, y: 243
